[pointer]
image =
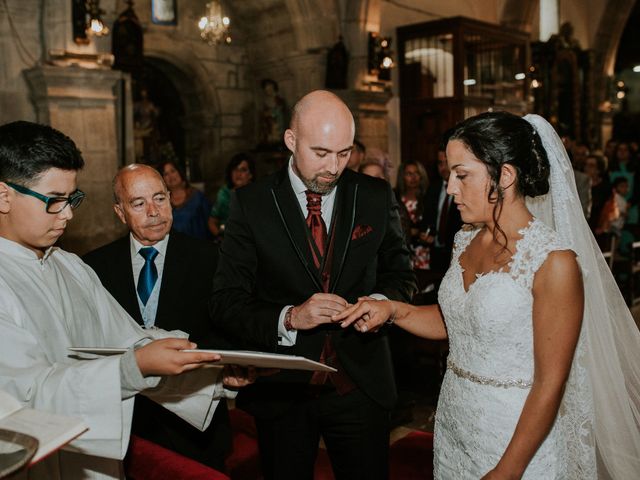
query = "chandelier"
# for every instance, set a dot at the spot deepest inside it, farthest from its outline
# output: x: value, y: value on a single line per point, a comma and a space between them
x: 214, y: 26
x: 95, y: 25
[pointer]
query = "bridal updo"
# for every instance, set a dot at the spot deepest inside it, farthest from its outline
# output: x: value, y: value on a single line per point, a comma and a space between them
x: 496, y: 138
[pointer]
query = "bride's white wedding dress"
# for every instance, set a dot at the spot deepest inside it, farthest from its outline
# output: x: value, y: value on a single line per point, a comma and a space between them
x: 490, y: 364
x: 596, y: 434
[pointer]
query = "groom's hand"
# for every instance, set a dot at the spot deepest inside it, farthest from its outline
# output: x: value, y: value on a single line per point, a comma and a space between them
x: 318, y: 309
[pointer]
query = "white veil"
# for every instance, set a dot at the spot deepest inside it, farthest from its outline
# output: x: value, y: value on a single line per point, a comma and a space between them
x: 600, y: 412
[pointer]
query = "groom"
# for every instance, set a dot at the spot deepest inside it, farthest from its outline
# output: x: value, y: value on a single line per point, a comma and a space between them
x: 299, y: 245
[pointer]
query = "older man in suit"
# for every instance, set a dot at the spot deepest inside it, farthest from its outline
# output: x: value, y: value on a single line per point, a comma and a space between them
x: 162, y: 278
x: 299, y: 246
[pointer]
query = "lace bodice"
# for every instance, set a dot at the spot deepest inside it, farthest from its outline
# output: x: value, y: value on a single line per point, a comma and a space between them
x: 490, y: 326
x: 490, y: 364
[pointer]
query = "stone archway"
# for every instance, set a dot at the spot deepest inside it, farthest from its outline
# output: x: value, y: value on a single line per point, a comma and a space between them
x: 614, y: 18
x: 198, y: 94
x: 612, y: 24
x: 286, y: 40
x: 196, y: 120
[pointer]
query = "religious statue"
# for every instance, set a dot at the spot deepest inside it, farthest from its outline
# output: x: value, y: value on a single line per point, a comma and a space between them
x: 337, y: 66
x: 273, y: 117
x: 145, y: 128
x: 564, y: 38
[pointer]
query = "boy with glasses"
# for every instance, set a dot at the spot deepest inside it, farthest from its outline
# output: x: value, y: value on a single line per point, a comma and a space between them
x: 50, y: 301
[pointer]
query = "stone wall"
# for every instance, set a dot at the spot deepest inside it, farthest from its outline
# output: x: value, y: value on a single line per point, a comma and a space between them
x: 219, y: 86
x: 83, y: 104
x: 17, y: 53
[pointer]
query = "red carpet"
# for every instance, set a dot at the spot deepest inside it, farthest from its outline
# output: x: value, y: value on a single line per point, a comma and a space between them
x: 410, y: 458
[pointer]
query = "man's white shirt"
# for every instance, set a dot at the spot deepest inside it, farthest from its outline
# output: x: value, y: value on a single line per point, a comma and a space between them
x: 149, y: 310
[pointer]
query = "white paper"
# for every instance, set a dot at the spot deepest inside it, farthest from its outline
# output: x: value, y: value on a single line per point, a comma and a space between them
x: 237, y: 357
x: 267, y: 360
x: 99, y: 350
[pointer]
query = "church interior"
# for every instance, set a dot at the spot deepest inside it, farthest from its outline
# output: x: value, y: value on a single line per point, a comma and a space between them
x: 192, y: 84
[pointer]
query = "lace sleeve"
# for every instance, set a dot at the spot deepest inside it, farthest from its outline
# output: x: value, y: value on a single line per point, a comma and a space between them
x: 461, y: 240
x: 533, y: 250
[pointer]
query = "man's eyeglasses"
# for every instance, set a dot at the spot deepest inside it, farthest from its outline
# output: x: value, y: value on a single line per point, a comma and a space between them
x: 52, y: 204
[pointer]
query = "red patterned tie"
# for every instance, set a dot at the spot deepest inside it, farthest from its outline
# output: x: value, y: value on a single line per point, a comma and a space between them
x: 316, y: 226
x: 328, y: 356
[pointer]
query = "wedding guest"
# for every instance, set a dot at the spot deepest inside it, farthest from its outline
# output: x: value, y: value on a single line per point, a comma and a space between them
x: 411, y: 189
x: 594, y: 167
x: 357, y: 155
x: 531, y: 389
x: 610, y: 149
x: 376, y: 164
x: 240, y: 171
x: 620, y: 188
x: 580, y: 154
x: 176, y: 299
x: 190, y: 206
x: 624, y: 165
x: 441, y: 215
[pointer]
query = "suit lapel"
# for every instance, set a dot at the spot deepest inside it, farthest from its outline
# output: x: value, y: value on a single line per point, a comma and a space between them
x: 173, y: 271
x: 293, y: 222
x: 345, y: 214
x: 123, y: 285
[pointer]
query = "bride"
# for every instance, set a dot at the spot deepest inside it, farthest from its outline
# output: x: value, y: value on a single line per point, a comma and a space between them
x: 543, y: 374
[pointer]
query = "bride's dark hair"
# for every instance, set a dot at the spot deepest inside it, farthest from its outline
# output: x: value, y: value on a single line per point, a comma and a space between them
x: 498, y: 138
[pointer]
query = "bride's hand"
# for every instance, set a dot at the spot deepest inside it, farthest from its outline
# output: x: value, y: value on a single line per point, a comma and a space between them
x: 368, y: 315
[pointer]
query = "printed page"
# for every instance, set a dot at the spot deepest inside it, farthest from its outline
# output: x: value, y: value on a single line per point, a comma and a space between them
x: 52, y: 431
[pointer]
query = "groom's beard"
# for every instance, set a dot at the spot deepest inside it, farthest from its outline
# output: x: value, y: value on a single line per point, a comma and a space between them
x: 315, y: 185
x: 322, y: 188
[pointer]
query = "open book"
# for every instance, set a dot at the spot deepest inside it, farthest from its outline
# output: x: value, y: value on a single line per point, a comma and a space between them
x: 52, y: 431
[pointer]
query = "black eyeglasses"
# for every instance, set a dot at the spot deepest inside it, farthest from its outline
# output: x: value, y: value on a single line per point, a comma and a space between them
x: 52, y: 204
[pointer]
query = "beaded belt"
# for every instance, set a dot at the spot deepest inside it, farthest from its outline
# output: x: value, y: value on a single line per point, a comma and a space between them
x: 494, y: 382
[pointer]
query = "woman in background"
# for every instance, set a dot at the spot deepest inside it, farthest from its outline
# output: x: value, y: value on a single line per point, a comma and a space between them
x: 240, y: 171
x: 411, y: 188
x: 190, y: 206
x: 376, y: 164
x: 594, y: 166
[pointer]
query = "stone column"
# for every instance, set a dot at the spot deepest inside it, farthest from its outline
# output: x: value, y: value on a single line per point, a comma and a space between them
x: 86, y: 104
x: 370, y: 113
x: 308, y: 70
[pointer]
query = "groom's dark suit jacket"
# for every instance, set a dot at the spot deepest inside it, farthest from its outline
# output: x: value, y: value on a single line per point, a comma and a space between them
x: 266, y: 264
x: 186, y: 286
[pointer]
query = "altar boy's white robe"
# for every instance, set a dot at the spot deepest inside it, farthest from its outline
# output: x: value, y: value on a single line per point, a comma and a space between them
x: 50, y: 304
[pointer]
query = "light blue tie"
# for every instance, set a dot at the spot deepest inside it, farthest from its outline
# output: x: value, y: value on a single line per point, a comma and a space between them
x: 148, y: 274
